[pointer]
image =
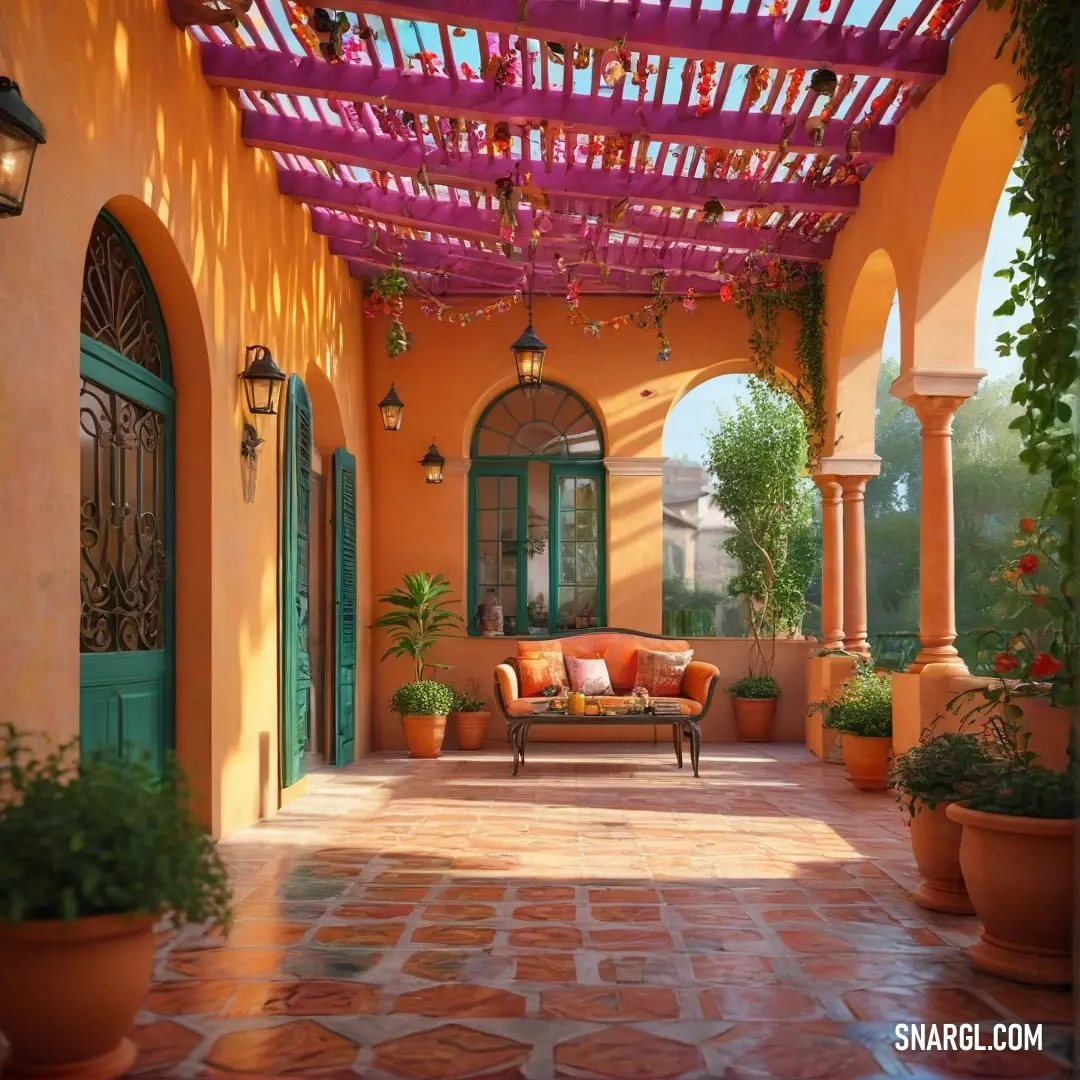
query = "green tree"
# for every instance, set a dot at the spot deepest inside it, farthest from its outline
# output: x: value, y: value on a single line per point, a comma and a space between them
x: 756, y: 460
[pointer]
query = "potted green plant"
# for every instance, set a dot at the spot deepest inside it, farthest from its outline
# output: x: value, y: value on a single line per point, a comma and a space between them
x: 470, y: 716
x: 96, y: 851
x: 756, y: 461
x: 1019, y: 814
x: 861, y: 710
x: 753, y: 699
x: 421, y: 616
x: 926, y: 779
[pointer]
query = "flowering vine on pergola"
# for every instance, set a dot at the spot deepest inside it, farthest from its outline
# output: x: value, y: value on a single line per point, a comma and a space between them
x: 468, y: 139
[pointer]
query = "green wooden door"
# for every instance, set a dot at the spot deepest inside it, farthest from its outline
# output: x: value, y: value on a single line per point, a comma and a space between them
x: 344, y: 525
x: 126, y: 448
x: 295, y: 534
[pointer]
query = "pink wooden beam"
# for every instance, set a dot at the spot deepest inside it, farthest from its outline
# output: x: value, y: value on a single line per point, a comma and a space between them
x: 423, y: 214
x: 261, y: 69
x: 680, y: 32
x: 288, y: 135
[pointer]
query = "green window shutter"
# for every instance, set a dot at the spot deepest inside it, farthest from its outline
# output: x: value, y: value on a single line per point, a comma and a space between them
x: 344, y: 607
x: 295, y: 530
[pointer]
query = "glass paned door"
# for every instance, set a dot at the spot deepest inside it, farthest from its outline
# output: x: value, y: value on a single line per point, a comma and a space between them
x: 577, y: 551
x: 499, y: 507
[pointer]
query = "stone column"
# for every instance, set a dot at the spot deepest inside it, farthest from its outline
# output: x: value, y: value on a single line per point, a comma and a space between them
x: 853, y: 489
x: 832, y: 562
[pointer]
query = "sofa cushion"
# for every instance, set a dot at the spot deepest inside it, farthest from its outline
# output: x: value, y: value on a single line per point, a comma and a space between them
x: 619, y: 651
x: 526, y: 707
x: 661, y: 673
x: 588, y: 676
x: 540, y: 670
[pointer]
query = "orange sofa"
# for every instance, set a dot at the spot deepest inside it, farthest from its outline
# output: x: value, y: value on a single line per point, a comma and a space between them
x: 619, y: 649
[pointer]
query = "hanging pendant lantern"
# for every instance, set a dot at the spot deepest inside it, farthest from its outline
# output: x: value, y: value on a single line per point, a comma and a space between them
x: 529, y: 352
x: 823, y: 82
x: 391, y: 408
x: 433, y: 463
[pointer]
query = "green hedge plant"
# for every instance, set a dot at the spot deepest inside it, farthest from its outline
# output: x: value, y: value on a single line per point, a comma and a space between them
x: 755, y: 686
x: 101, y: 835
x: 862, y: 705
x: 424, y: 698
x: 938, y: 770
x: 468, y: 698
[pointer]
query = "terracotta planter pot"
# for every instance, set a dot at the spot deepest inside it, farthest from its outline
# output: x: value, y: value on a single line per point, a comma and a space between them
x: 69, y: 993
x: 754, y: 718
x: 424, y: 735
x: 935, y: 843
x: 867, y: 760
x: 1019, y: 875
x: 470, y: 729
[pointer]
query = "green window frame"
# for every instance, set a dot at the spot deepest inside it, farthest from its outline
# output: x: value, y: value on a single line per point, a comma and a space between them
x: 565, y: 561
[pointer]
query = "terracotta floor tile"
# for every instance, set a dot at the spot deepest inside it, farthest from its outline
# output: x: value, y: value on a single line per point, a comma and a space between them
x: 624, y: 896
x: 728, y: 915
x: 190, y: 997
x: 226, y: 963
x: 546, y: 967
x: 625, y: 913
x: 449, y: 1052
x: 163, y: 1043
x: 607, y: 1004
x: 808, y: 1051
x: 1035, y: 1004
x: 734, y: 968
x: 453, y: 935
x: 977, y: 1065
x: 249, y: 932
x: 461, y: 1001
x: 472, y: 892
x: 565, y: 913
x: 374, y: 911
x: 627, y: 1054
x: 790, y: 915
x: 758, y: 1003
x: 546, y: 892
x: 406, y: 894
x: 457, y: 913
x: 695, y: 896
x: 630, y: 940
x: 307, y: 997
x: 634, y: 970
x: 292, y: 911
x: 294, y: 1047
x: 438, y: 966
x: 363, y: 935
x: 713, y: 939
x: 326, y: 963
x: 546, y: 937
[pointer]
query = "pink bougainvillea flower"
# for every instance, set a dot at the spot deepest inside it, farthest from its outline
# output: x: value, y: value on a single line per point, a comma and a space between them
x: 1005, y: 661
x: 726, y: 292
x: 1028, y: 564
x: 1044, y: 666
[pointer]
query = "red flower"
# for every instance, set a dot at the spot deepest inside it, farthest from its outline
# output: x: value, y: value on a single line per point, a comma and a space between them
x: 1005, y: 661
x: 1039, y: 601
x: 1027, y: 525
x: 1044, y: 666
x: 726, y: 292
x: 1028, y: 564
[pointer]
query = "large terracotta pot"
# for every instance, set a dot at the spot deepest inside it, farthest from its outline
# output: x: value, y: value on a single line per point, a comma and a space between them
x: 754, y: 718
x: 470, y: 729
x: 424, y: 735
x: 69, y: 993
x: 935, y: 843
x: 867, y: 760
x: 1019, y: 875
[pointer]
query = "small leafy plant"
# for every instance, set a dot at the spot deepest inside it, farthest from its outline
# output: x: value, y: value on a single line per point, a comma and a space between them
x: 468, y: 698
x: 421, y: 616
x: 755, y: 686
x: 938, y: 770
x: 101, y: 835
x: 423, y: 698
x: 862, y: 706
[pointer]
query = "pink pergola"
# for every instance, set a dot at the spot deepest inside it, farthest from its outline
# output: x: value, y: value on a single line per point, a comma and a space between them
x: 480, y: 143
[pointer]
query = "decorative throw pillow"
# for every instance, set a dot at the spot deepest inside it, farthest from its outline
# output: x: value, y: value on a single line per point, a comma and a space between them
x: 661, y: 673
x: 588, y: 676
x: 539, y: 670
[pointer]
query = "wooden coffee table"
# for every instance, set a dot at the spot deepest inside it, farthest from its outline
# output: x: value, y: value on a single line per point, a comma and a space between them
x: 518, y: 730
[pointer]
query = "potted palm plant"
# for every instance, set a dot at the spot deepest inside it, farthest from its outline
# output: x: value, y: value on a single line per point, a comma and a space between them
x: 861, y: 710
x: 96, y: 851
x: 470, y: 716
x: 926, y: 779
x: 421, y: 616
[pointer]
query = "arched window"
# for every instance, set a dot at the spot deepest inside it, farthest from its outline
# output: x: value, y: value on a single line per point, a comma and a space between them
x: 536, y: 513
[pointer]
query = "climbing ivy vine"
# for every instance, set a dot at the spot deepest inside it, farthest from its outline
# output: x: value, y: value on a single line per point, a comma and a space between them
x: 1045, y: 276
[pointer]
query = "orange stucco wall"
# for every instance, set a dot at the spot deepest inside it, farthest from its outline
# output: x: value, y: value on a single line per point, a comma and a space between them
x: 132, y: 126
x: 447, y: 378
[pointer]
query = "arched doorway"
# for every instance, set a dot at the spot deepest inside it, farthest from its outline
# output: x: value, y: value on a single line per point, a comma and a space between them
x: 127, y: 415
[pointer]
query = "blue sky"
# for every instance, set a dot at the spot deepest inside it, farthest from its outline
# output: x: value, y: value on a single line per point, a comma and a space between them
x: 688, y: 420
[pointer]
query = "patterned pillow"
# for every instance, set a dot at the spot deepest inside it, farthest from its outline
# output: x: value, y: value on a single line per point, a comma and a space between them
x: 556, y: 666
x: 588, y: 676
x: 661, y: 673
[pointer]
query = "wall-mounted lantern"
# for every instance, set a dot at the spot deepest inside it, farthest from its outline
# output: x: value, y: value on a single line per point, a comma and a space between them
x: 262, y: 382
x: 529, y: 353
x: 21, y: 133
x: 433, y: 463
x: 391, y: 408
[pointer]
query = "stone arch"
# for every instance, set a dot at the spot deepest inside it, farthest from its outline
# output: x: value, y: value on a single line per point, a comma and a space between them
x: 193, y: 493
x: 861, y: 335
x: 983, y: 154
x: 327, y: 423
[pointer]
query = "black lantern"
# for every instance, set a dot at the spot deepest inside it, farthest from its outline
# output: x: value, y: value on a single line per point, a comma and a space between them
x: 262, y: 382
x: 391, y: 408
x: 21, y: 133
x: 433, y: 462
x: 529, y: 353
